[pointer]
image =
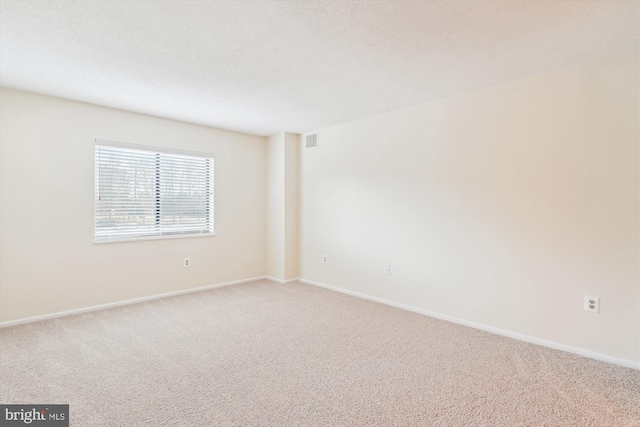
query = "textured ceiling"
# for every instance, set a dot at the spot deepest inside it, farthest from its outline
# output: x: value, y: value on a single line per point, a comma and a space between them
x: 264, y: 67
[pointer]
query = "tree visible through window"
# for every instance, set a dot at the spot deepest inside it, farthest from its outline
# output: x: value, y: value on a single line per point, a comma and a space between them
x: 148, y: 192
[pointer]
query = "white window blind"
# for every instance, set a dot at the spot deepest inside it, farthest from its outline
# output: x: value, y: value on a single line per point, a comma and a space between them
x: 148, y: 192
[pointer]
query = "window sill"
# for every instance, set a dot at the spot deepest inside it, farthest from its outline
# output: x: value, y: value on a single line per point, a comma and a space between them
x: 165, y: 237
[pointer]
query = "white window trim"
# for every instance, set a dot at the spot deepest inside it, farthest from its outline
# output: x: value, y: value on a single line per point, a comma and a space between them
x: 152, y: 148
x: 163, y: 237
x: 105, y: 142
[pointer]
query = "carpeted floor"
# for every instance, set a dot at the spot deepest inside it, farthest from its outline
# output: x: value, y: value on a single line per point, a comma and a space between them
x: 265, y: 354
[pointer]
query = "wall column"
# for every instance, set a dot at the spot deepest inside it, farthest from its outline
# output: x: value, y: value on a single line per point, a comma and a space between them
x: 282, y: 206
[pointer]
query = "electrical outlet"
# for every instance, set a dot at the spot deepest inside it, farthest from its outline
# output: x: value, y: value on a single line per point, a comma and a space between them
x: 324, y: 259
x: 592, y: 304
x: 187, y: 262
x: 387, y: 270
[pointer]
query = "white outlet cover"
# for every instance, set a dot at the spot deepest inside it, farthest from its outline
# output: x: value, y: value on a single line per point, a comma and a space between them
x: 592, y: 304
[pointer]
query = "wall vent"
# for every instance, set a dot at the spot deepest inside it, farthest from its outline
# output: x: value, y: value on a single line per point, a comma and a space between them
x: 311, y: 140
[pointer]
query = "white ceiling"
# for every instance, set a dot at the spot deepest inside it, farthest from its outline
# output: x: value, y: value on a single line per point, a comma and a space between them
x: 269, y: 66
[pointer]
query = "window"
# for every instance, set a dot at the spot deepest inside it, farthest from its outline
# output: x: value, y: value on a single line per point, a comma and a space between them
x: 144, y: 192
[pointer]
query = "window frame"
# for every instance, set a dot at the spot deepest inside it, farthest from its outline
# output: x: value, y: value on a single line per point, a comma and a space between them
x: 156, y: 150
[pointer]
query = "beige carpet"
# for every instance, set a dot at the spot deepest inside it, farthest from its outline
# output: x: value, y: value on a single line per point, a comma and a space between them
x: 264, y: 354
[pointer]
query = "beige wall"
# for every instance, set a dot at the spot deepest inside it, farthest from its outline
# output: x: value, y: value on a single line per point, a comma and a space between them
x: 504, y: 206
x: 48, y: 260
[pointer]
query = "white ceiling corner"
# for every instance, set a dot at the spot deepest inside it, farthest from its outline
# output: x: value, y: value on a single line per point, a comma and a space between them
x: 270, y: 66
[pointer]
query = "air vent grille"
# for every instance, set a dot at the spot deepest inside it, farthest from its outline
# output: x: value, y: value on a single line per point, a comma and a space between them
x: 311, y: 140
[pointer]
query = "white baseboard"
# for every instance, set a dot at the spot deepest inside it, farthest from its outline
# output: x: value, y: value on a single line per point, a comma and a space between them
x: 275, y: 279
x: 121, y: 303
x: 498, y: 331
